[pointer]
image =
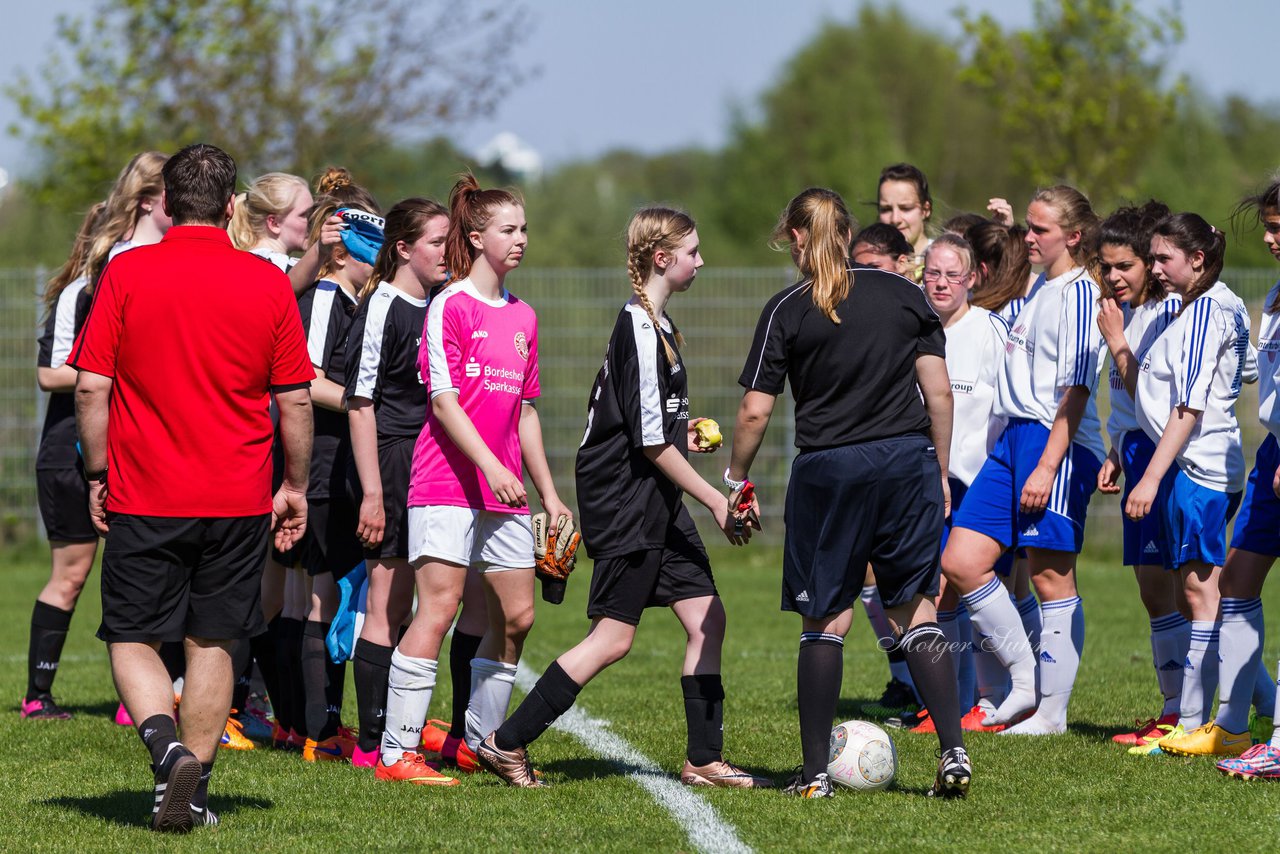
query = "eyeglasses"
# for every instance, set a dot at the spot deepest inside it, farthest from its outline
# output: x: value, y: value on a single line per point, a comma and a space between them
x: 952, y: 278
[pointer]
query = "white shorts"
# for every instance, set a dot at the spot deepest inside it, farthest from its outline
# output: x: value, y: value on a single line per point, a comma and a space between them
x: 481, y: 539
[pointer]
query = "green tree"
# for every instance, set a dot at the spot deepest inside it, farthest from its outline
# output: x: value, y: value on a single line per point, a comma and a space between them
x: 281, y: 84
x: 1081, y: 96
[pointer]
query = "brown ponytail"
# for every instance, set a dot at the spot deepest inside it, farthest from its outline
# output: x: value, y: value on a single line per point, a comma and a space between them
x: 470, y: 209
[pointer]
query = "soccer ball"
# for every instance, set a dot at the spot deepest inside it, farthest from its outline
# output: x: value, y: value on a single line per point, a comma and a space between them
x: 862, y: 756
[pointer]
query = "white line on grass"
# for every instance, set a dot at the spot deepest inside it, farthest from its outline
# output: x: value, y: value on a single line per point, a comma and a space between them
x: 706, y: 830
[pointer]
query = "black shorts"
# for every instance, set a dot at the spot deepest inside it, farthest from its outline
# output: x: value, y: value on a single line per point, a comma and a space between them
x: 624, y: 585
x: 329, y: 543
x: 395, y: 463
x: 874, y: 502
x: 166, y: 578
x: 63, y: 496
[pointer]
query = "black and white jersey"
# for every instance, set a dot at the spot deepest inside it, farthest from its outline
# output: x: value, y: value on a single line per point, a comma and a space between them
x: 58, y: 436
x: 854, y: 381
x: 327, y: 312
x: 382, y: 360
x: 640, y: 399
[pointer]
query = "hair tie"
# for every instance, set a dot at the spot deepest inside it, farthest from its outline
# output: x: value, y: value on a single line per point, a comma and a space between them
x: 1213, y: 230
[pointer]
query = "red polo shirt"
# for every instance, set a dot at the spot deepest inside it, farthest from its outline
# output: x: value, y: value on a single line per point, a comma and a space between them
x: 194, y: 334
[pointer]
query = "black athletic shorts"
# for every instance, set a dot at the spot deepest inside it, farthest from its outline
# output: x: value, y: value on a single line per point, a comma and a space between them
x: 395, y: 463
x: 873, y: 502
x: 64, y: 505
x: 167, y: 578
x: 329, y: 544
x: 623, y: 586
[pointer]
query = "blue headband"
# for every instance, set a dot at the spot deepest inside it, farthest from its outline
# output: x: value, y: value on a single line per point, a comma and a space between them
x: 363, y: 235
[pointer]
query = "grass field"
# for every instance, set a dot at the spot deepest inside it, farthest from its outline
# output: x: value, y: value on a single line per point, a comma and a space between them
x: 84, y: 784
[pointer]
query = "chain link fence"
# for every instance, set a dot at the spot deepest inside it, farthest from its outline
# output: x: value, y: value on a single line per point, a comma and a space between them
x: 576, y: 311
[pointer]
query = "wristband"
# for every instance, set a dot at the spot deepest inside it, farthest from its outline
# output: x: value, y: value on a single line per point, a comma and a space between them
x: 98, y: 477
x: 735, y: 485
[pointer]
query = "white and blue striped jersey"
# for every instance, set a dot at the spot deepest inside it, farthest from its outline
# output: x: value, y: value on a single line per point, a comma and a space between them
x: 975, y: 347
x: 1200, y: 362
x: 1142, y: 326
x: 1054, y: 344
x: 1010, y: 312
x: 1269, y: 366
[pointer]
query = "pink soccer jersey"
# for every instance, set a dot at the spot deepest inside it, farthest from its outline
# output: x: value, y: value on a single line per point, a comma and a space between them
x: 485, y: 351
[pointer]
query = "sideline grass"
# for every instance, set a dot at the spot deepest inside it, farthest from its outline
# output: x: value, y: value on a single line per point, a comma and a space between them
x: 84, y: 784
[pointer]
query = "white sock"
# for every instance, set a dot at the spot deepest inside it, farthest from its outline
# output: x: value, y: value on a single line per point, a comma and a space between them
x: 409, y: 686
x: 1170, y: 637
x: 993, y: 615
x: 1264, y: 692
x: 1032, y: 620
x: 1061, y: 641
x: 885, y: 638
x: 491, y: 686
x: 967, y: 676
x: 1240, y: 651
x: 1275, y: 733
x: 1199, y: 674
x: 990, y: 675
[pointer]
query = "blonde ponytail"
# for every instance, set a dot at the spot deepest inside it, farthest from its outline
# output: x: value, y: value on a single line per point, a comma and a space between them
x: 822, y: 216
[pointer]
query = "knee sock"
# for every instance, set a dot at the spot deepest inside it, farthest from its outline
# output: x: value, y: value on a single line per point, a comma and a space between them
x: 242, y: 670
x: 926, y: 649
x: 962, y: 660
x: 1275, y: 734
x: 967, y: 675
x: 994, y: 616
x: 704, y: 717
x: 885, y: 637
x: 409, y: 686
x: 491, y: 686
x: 1200, y: 674
x: 158, y: 733
x: 314, y: 678
x: 296, y: 685
x: 287, y: 668
x: 1170, y: 637
x: 1061, y: 641
x: 819, y: 671
x: 200, y: 800
x: 371, y: 668
x: 554, y: 695
x: 461, y: 650
x: 263, y: 648
x: 1032, y: 620
x: 49, y: 627
x: 1240, y: 650
x: 1264, y: 692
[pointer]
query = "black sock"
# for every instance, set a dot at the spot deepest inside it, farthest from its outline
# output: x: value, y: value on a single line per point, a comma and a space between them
x: 48, y: 633
x: 335, y: 684
x: 819, y: 671
x: 461, y: 650
x: 200, y: 800
x: 704, y: 717
x: 371, y: 669
x: 158, y: 732
x: 288, y: 667
x: 550, y: 698
x: 929, y: 657
x: 263, y: 648
x: 315, y: 678
x: 242, y: 669
x: 174, y: 656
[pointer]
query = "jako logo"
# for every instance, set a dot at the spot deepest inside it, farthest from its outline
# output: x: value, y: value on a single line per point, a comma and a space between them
x: 479, y: 333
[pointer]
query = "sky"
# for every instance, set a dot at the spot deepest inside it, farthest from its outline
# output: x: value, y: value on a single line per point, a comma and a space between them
x: 663, y: 74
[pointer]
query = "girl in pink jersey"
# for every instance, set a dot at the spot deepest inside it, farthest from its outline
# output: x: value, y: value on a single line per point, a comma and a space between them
x: 468, y: 511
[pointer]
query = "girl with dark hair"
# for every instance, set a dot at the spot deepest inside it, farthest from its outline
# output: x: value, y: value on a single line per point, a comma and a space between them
x: 468, y: 514
x: 1255, y: 543
x: 903, y: 201
x: 1004, y: 270
x: 864, y: 357
x: 1187, y: 386
x: 882, y: 246
x: 1132, y: 315
x: 1033, y: 491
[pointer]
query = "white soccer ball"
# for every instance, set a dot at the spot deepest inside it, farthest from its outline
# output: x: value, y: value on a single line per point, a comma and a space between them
x: 862, y: 756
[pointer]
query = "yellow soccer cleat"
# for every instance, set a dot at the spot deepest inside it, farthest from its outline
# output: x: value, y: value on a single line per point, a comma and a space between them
x: 1207, y: 740
x: 233, y: 737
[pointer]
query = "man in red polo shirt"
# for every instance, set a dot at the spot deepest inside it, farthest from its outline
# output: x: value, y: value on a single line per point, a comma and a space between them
x: 185, y: 343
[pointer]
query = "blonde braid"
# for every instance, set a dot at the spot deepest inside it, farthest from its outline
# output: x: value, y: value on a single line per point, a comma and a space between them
x: 639, y: 260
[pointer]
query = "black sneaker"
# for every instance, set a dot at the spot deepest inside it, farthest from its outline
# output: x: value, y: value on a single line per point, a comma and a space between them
x: 177, y: 778
x: 954, y: 773
x: 898, y: 697
x: 819, y: 787
x: 43, y: 708
x: 203, y: 816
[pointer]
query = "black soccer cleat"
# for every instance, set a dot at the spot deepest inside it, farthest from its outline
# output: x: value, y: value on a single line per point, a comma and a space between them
x: 954, y: 773
x: 819, y: 787
x: 898, y: 697
x: 177, y: 778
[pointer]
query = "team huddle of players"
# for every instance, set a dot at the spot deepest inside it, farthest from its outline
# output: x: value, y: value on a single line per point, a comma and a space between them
x: 425, y: 427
